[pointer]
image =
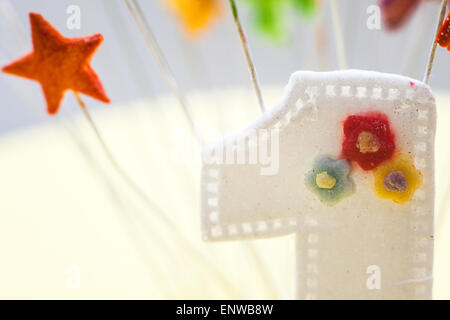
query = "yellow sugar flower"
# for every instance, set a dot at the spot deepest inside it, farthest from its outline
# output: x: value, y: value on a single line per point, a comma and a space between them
x: 397, y: 179
x: 196, y: 15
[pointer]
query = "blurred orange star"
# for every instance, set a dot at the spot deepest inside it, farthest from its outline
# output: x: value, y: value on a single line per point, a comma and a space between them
x: 59, y: 64
x: 196, y: 15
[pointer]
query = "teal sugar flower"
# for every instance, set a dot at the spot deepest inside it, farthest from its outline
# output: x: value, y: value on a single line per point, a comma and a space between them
x: 330, y: 180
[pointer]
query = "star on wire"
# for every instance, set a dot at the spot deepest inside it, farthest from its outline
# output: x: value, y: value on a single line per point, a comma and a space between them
x: 59, y: 64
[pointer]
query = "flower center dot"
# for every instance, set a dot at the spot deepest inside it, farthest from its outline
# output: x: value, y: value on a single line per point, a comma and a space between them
x: 395, y: 181
x: 325, y: 181
x: 367, y: 142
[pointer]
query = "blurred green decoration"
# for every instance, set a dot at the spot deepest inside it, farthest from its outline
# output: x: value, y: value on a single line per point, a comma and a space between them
x: 307, y: 8
x: 269, y: 16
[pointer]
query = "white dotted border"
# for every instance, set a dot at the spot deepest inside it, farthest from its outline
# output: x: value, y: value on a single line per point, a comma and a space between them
x: 312, y: 255
x: 421, y: 224
x: 218, y: 230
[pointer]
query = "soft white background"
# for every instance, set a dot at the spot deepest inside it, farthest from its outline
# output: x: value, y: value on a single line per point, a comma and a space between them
x: 215, y: 60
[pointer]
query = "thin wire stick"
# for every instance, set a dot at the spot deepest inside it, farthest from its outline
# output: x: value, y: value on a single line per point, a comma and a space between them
x: 414, y: 44
x: 9, y: 15
x: 114, y: 162
x: 432, y: 55
x: 338, y: 35
x: 144, y: 250
x: 251, y: 67
x: 164, y: 68
x: 248, y: 58
x: 176, y: 233
x: 129, y: 181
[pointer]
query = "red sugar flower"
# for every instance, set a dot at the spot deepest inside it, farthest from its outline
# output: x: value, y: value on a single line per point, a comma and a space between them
x: 368, y: 139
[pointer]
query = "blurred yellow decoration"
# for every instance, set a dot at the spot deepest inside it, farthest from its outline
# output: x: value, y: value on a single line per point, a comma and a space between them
x: 196, y: 15
x: 397, y: 179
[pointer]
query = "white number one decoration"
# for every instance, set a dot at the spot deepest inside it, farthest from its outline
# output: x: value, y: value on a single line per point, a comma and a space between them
x: 353, y: 244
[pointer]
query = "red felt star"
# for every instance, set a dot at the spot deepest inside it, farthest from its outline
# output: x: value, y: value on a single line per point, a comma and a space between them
x: 443, y: 36
x: 59, y: 64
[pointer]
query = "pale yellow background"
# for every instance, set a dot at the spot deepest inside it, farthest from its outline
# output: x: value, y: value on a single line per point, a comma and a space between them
x: 70, y: 228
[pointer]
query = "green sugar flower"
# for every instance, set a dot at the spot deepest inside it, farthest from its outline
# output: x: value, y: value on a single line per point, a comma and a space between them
x: 330, y: 180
